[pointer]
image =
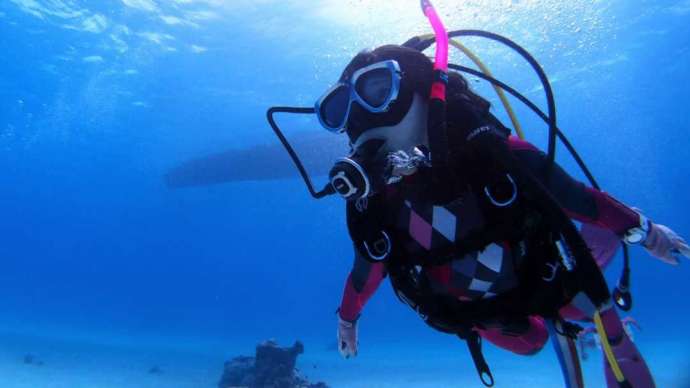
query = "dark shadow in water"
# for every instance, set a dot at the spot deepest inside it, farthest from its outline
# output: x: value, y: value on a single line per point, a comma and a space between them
x: 261, y: 162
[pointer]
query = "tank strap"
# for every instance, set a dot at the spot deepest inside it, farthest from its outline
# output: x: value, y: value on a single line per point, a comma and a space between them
x: 474, y: 345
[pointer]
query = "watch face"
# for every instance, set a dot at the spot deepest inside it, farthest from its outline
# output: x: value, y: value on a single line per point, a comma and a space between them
x: 634, y: 237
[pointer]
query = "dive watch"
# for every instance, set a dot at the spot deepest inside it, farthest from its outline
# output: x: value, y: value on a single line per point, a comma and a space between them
x: 638, y: 234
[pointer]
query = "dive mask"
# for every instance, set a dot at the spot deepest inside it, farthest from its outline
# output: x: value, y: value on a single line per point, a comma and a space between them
x: 374, y: 88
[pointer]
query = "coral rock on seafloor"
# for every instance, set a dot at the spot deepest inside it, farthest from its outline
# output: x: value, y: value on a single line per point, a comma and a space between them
x: 272, y: 367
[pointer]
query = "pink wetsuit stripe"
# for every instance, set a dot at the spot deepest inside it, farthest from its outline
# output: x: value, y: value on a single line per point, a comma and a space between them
x: 613, y: 215
x: 353, y: 301
x: 528, y: 343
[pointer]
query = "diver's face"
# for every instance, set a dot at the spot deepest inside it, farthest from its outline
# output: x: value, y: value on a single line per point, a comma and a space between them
x: 383, y: 140
x: 404, y: 136
x: 384, y: 152
x: 382, y: 155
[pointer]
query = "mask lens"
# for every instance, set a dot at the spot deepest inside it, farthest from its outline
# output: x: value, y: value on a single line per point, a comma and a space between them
x: 374, y: 87
x: 334, y: 107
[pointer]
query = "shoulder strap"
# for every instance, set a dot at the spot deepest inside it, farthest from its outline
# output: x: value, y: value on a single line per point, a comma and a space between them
x: 588, y: 275
x: 366, y: 223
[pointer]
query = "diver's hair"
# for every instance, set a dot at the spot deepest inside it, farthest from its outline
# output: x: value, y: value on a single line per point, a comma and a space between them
x: 459, y: 92
x: 417, y: 71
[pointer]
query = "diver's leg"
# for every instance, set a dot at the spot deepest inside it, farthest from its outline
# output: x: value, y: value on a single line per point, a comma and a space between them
x: 631, y: 363
x: 527, y: 342
x: 603, y: 244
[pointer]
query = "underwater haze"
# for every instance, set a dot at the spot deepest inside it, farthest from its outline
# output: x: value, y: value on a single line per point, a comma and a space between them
x: 107, y: 272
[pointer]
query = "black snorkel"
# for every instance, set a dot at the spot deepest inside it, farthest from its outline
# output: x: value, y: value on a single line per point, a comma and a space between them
x: 437, y: 125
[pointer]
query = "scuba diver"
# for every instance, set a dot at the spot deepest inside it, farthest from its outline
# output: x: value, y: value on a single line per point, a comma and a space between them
x: 424, y: 222
x: 471, y: 224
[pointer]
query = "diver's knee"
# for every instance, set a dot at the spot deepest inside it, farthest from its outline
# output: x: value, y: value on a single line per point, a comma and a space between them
x: 528, y: 341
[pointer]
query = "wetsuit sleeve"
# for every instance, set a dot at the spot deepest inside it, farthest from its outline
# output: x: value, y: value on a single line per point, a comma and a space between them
x: 361, y: 284
x: 582, y: 203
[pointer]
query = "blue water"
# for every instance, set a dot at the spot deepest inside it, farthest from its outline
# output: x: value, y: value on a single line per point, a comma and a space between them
x: 105, y: 271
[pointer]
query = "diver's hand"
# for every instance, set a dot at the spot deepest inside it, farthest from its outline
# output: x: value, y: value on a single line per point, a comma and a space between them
x: 347, y: 338
x: 665, y: 244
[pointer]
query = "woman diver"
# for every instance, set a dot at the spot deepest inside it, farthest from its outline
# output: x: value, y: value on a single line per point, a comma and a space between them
x: 392, y: 139
x: 472, y: 225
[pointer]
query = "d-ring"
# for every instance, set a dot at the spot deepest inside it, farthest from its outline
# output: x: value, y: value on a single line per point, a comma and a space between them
x: 504, y: 203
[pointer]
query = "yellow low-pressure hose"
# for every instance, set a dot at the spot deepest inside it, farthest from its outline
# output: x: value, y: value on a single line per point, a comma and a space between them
x: 606, y: 345
x: 484, y: 69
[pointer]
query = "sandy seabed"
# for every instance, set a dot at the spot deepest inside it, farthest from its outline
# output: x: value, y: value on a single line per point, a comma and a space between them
x: 81, y: 363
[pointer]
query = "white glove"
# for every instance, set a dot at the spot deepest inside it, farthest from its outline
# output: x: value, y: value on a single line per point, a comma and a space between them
x: 347, y: 337
x: 665, y: 244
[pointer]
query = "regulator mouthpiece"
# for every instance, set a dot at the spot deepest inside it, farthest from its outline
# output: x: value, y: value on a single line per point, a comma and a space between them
x: 362, y: 174
x: 349, y: 179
